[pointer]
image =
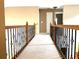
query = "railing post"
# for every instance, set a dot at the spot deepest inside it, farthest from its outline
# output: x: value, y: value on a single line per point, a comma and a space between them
x: 50, y: 29
x: 26, y: 32
x: 54, y: 37
x: 3, y: 54
x: 34, y: 28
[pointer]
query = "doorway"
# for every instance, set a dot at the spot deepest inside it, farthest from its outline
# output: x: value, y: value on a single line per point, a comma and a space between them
x: 49, y: 16
x: 45, y: 19
x: 42, y: 21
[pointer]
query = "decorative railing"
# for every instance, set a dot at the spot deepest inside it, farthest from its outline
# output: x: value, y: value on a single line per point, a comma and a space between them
x: 65, y: 39
x: 30, y: 32
x: 17, y: 37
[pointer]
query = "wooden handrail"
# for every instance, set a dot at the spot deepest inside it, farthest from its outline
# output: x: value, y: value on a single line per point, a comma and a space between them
x: 76, y: 27
x: 15, y: 26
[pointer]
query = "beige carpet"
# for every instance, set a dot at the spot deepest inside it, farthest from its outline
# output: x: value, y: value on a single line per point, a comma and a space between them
x: 41, y: 47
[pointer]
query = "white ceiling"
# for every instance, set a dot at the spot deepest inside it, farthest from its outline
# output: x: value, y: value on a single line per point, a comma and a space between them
x: 40, y: 3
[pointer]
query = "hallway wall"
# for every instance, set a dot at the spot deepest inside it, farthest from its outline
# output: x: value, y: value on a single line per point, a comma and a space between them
x: 19, y: 16
x: 71, y: 17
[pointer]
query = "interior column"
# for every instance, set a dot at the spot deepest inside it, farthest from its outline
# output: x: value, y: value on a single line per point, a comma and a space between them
x: 2, y: 32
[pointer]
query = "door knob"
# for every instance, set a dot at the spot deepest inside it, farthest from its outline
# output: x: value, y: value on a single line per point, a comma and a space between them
x: 41, y: 21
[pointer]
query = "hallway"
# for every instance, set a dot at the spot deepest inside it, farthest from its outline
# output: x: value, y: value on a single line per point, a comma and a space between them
x: 41, y: 47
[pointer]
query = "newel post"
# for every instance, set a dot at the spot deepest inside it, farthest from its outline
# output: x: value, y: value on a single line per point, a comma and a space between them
x: 3, y: 54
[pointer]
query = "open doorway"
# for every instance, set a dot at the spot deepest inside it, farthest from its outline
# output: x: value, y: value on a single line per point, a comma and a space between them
x: 49, y: 17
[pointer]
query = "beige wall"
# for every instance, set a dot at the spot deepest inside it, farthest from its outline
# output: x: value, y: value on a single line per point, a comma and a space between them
x: 71, y: 17
x: 2, y: 32
x: 71, y: 14
x: 19, y: 16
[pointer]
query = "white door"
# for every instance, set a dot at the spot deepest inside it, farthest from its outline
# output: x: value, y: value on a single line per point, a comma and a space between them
x: 49, y: 16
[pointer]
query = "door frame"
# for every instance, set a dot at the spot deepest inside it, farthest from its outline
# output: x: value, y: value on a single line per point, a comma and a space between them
x: 48, y: 10
x: 40, y: 28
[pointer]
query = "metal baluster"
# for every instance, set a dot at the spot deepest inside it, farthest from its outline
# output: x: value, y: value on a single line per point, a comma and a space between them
x: 69, y: 42
x: 72, y: 45
x: 8, y: 43
x: 17, y: 41
x: 11, y: 41
x: 14, y: 41
x: 67, y: 45
x: 75, y: 44
x: 66, y: 42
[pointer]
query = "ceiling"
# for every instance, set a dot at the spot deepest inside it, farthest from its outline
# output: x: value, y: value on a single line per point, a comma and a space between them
x: 40, y: 3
